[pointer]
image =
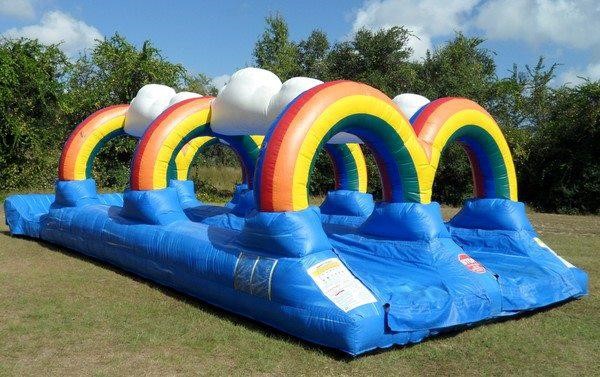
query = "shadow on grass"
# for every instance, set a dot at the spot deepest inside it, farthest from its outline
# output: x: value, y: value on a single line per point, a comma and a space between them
x: 266, y: 330
x: 210, y: 309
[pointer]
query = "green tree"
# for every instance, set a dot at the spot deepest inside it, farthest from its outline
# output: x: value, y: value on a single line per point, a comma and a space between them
x: 274, y: 51
x: 459, y: 68
x: 538, y: 93
x: 523, y: 99
x: 112, y: 73
x: 562, y: 169
x: 313, y: 53
x: 380, y: 59
x: 31, y: 93
x: 520, y: 103
x: 198, y: 83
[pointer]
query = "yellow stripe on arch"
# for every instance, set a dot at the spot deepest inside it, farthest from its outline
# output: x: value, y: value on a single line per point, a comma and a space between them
x: 188, y: 152
x: 172, y: 142
x: 258, y: 139
x: 87, y: 139
x: 361, y: 165
x: 155, y: 155
x: 473, y: 117
x: 90, y: 146
x: 466, y: 119
x: 407, y: 157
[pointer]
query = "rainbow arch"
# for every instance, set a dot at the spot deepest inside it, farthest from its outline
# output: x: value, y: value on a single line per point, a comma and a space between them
x: 407, y: 157
x: 318, y: 114
x: 246, y: 149
x: 464, y: 121
x: 84, y: 143
x: 349, y: 166
x: 348, y: 160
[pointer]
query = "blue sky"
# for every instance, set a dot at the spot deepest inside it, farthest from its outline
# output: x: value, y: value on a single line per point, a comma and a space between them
x: 217, y: 37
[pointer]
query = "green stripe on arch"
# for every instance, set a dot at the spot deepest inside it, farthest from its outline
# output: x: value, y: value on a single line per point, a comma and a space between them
x: 108, y: 137
x: 344, y: 166
x: 399, y: 181
x: 202, y: 130
x: 492, y: 166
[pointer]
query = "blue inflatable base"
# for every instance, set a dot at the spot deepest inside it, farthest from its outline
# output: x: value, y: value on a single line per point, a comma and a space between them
x: 392, y: 277
x: 24, y: 213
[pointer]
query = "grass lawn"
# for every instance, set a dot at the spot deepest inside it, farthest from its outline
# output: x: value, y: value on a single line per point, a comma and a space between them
x: 64, y: 314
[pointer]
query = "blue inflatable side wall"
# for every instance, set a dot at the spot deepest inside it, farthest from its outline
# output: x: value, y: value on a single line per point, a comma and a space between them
x: 498, y: 234
x: 393, y: 276
x: 24, y: 212
x: 186, y: 192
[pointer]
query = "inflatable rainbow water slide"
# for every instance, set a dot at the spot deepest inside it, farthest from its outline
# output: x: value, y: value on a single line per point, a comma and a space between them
x: 353, y: 274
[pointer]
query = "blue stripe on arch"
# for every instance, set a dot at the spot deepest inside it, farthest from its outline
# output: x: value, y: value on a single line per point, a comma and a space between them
x: 336, y: 153
x: 485, y: 166
x: 416, y: 115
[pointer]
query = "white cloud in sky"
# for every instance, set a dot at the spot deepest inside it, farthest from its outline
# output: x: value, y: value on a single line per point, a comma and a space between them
x: 17, y: 9
x: 574, y: 77
x: 567, y: 23
x: 58, y: 27
x: 426, y: 19
x: 220, y: 81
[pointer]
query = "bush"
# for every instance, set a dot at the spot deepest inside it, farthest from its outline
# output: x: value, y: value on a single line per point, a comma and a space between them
x: 553, y: 132
x: 562, y: 171
x: 31, y: 93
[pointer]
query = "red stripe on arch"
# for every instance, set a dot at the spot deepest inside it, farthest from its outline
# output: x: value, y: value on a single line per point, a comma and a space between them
x: 86, y: 121
x: 266, y: 193
x: 75, y: 136
x: 427, y: 111
x: 479, y: 188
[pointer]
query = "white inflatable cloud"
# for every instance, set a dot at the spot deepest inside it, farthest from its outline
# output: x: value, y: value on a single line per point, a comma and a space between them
x: 290, y: 89
x: 343, y: 138
x: 410, y: 103
x: 182, y: 96
x: 241, y: 106
x: 253, y: 98
x: 149, y: 102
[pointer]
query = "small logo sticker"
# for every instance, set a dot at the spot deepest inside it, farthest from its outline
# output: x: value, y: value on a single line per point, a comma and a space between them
x: 471, y: 263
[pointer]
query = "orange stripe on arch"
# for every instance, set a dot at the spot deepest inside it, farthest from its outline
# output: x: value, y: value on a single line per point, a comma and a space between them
x: 432, y: 119
x: 273, y: 158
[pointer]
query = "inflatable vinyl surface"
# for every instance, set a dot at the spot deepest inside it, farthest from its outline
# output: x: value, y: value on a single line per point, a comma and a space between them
x: 335, y: 280
x: 353, y: 274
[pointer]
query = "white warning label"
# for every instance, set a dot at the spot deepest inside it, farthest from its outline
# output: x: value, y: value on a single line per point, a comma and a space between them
x: 339, y: 285
x: 542, y: 244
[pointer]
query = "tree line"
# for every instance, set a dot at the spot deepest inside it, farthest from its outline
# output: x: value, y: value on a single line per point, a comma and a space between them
x: 553, y: 132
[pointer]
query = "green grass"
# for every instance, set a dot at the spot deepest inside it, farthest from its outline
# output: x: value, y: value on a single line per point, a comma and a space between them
x: 215, y: 183
x: 64, y: 314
